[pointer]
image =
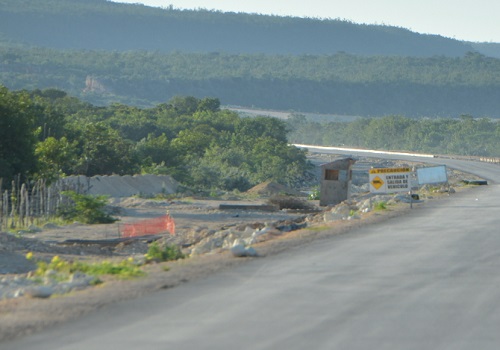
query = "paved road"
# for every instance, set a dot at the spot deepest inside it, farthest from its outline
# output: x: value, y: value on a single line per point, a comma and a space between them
x: 428, y: 280
x: 488, y: 171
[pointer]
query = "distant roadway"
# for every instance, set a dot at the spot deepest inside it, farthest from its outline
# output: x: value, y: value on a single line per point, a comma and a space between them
x: 487, y: 171
x: 427, y: 280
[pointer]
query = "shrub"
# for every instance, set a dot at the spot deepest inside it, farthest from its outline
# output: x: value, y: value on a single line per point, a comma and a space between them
x: 380, y: 206
x: 86, y: 209
x: 315, y: 194
x: 165, y: 253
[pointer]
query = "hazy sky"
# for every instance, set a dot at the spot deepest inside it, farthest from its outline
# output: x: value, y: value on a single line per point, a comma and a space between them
x: 477, y: 20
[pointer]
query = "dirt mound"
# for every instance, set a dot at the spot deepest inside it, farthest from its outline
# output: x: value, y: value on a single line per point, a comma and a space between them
x: 270, y: 188
x: 122, y: 186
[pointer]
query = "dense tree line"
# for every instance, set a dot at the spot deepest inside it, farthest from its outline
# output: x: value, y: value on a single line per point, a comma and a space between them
x: 460, y: 136
x: 335, y: 84
x: 47, y: 134
x: 472, y: 69
x: 91, y: 25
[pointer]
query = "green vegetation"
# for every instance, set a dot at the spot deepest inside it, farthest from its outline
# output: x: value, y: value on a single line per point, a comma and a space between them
x: 315, y: 194
x: 380, y: 206
x: 191, y: 139
x: 462, y: 136
x: 87, y: 209
x: 59, y: 269
x: 159, y: 253
x: 17, y: 134
x: 124, y: 269
x: 47, y: 134
x: 342, y: 84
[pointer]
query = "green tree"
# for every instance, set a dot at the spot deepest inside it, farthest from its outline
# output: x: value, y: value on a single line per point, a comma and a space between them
x: 17, y: 136
x: 155, y: 154
x: 102, y: 151
x: 263, y: 127
x: 184, y: 104
x: 56, y: 157
x: 191, y: 144
x: 131, y: 122
x: 209, y: 104
x: 223, y: 168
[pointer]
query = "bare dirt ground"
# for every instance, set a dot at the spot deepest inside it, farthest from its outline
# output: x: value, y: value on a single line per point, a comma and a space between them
x: 194, y: 218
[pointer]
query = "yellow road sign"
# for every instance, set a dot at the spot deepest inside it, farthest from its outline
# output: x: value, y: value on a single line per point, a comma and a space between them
x: 377, y: 182
x: 390, y: 180
x: 389, y: 170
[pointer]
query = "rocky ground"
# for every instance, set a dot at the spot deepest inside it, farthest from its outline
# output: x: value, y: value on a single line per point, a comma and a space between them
x: 204, y: 231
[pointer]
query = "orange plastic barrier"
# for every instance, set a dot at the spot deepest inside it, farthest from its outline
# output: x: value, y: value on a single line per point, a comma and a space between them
x: 149, y: 227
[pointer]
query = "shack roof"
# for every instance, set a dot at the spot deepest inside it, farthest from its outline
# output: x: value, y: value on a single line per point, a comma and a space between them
x: 339, y: 160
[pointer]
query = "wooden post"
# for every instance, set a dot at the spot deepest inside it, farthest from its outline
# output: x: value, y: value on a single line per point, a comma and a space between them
x: 22, y: 205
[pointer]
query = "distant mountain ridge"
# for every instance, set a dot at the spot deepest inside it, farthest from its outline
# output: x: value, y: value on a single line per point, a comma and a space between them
x: 104, y: 25
x: 488, y: 49
x: 105, y: 52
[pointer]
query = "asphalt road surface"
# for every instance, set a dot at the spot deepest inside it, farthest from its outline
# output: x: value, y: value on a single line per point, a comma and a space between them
x: 488, y: 171
x: 427, y: 280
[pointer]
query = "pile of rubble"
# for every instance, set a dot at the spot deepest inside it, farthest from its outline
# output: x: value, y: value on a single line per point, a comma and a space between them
x: 201, y: 241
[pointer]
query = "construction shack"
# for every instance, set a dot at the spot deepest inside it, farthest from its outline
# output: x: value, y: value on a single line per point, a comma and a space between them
x: 336, y: 178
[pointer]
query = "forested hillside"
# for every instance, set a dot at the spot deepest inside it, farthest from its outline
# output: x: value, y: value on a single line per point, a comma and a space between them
x: 463, y: 136
x: 336, y: 84
x: 104, y: 52
x: 103, y: 25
